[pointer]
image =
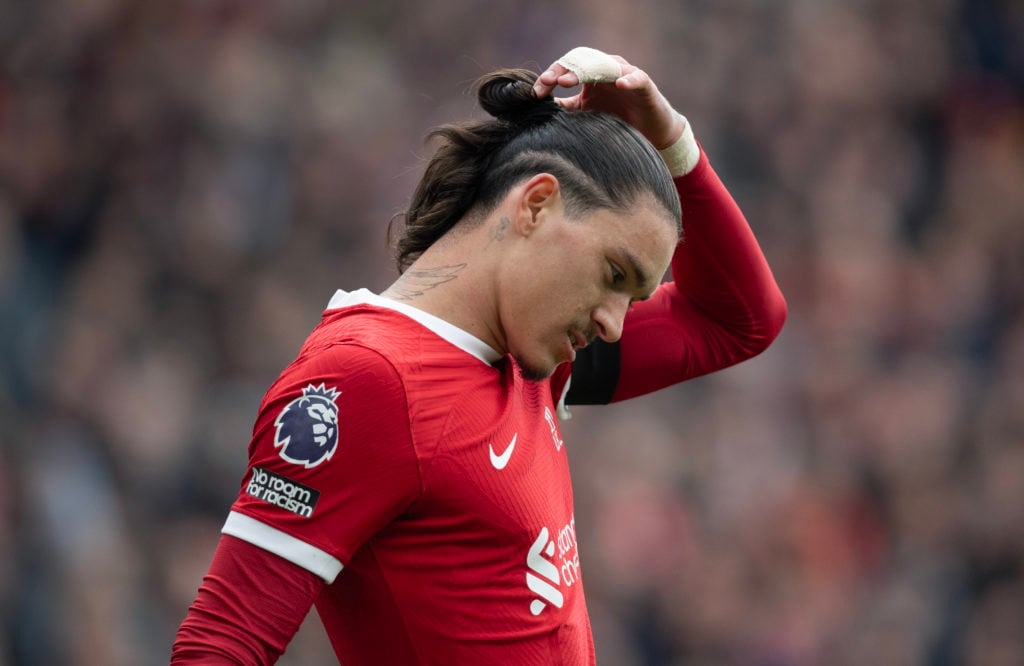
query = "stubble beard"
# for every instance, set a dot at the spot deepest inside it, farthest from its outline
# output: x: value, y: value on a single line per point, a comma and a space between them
x: 532, y: 373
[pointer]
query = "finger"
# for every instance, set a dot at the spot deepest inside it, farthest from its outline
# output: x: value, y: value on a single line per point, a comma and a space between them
x: 569, y: 103
x: 627, y: 68
x: 633, y: 78
x: 569, y: 80
x: 547, y: 80
x: 553, y: 76
x: 636, y: 79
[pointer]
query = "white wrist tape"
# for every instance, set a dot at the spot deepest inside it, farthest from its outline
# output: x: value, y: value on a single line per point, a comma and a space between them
x: 591, y: 65
x: 682, y: 155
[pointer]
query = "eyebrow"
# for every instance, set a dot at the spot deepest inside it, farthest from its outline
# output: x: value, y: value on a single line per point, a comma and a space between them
x: 642, y: 280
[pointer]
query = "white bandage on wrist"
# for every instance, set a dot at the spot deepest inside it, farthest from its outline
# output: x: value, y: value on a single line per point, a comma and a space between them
x: 591, y: 65
x: 684, y: 154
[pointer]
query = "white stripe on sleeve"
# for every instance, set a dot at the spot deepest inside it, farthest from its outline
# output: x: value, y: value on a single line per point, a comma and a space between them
x: 283, y: 545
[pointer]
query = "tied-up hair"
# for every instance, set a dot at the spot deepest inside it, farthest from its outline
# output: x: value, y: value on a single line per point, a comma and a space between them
x: 600, y: 161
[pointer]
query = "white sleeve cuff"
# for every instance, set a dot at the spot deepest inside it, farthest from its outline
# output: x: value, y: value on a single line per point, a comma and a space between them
x: 283, y: 545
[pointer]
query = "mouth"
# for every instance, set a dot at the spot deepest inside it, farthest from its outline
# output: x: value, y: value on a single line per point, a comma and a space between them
x: 573, y: 341
x: 578, y: 340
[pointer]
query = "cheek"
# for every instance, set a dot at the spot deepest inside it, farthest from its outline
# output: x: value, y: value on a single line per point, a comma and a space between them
x: 553, y: 288
x: 540, y: 278
x: 527, y: 304
x: 540, y: 308
x: 565, y: 285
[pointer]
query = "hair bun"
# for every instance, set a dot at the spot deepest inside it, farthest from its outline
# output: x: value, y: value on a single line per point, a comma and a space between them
x: 508, y: 96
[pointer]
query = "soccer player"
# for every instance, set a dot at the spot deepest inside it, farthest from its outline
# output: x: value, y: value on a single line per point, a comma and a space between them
x: 406, y: 473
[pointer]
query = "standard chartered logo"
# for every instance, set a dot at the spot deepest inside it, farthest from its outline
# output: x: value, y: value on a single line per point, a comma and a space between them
x: 547, y: 574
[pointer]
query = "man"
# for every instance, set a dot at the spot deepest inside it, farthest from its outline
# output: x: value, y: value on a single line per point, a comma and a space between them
x: 407, y: 473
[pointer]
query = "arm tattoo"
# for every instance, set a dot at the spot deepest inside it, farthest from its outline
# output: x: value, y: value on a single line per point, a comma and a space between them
x: 415, y: 282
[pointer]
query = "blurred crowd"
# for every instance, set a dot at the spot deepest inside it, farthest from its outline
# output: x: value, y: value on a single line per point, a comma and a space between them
x: 183, y: 185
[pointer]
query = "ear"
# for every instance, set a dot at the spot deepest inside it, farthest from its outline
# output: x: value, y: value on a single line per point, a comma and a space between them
x: 539, y: 197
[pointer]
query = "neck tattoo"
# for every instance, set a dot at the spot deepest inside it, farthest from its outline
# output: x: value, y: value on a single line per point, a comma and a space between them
x: 498, y: 232
x: 416, y: 282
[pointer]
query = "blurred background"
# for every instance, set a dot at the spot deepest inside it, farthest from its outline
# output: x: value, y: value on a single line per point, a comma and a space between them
x: 183, y: 185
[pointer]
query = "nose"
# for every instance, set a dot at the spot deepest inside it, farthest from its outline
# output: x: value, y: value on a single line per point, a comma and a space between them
x: 608, y: 317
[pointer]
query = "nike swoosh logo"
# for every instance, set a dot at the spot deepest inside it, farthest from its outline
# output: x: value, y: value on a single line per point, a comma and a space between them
x: 499, y: 462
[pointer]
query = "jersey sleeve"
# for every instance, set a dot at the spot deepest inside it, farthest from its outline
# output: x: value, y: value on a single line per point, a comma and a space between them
x: 331, y: 461
x: 722, y: 306
x: 247, y: 610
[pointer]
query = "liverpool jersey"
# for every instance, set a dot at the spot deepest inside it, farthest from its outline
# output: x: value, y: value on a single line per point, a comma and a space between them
x: 410, y: 466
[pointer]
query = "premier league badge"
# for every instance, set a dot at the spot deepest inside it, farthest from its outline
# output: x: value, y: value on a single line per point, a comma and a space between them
x: 307, y: 428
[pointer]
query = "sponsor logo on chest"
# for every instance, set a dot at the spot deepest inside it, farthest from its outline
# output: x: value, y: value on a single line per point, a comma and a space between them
x: 552, y: 564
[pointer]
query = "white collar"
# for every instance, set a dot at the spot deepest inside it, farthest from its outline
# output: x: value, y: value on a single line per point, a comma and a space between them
x: 465, y: 341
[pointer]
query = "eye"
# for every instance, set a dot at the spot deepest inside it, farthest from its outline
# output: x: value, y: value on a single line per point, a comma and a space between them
x: 618, y: 277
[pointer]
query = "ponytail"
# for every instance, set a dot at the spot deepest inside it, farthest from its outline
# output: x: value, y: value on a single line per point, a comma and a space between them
x: 599, y: 160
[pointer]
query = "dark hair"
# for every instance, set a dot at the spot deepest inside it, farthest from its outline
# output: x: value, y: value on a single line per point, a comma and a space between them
x: 600, y: 161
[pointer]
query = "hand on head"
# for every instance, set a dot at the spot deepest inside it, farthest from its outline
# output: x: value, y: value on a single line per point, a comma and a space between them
x: 613, y: 85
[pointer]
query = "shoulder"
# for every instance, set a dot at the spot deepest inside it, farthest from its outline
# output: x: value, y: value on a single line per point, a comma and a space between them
x: 349, y: 362
x: 363, y: 324
x: 342, y: 383
x: 348, y: 374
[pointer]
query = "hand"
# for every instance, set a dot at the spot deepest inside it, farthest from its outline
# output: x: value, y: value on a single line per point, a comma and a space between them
x: 633, y: 96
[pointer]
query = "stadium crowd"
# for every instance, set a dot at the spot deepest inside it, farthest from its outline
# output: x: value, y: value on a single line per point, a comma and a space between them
x: 183, y: 185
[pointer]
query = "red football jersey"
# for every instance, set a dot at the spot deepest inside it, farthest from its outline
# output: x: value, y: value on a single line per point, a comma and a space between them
x: 411, y: 467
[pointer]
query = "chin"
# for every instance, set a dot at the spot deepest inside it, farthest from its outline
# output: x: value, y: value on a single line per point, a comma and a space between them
x: 532, y: 371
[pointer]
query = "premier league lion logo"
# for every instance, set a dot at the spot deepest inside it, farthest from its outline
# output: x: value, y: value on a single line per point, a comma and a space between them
x: 307, y: 428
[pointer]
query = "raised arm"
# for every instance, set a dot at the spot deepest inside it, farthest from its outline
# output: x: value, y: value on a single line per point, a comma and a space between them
x: 723, y: 305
